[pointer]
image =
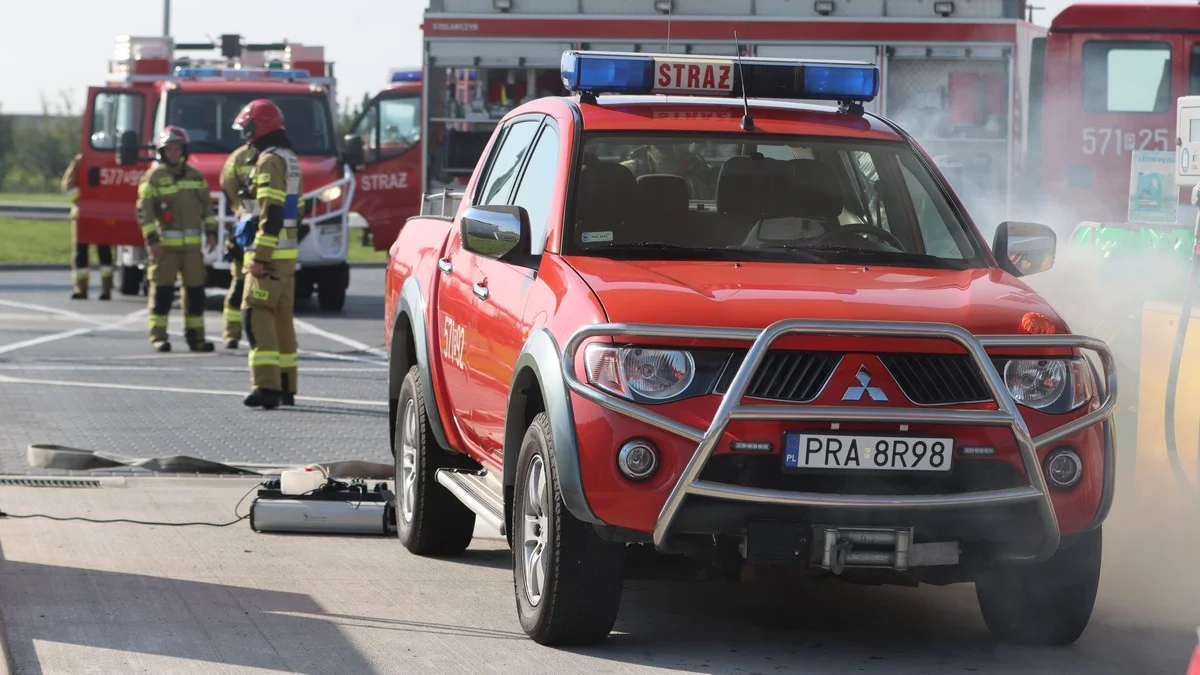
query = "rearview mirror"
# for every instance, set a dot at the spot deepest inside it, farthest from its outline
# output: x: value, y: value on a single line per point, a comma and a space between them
x: 1024, y: 248
x: 500, y: 232
x: 355, y: 154
x: 127, y: 151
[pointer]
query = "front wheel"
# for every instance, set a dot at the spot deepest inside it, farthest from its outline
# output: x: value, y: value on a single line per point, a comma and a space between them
x: 566, y: 579
x: 1048, y: 604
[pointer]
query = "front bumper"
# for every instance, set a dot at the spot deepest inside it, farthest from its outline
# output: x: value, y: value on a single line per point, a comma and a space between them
x: 1034, y: 494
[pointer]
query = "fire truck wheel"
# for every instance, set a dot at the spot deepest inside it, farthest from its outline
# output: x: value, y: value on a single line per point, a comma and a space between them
x: 567, y: 579
x: 429, y: 519
x: 1048, y: 604
x: 331, y: 298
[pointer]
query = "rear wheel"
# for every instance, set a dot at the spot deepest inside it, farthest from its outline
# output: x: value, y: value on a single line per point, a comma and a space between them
x: 567, y: 580
x: 1048, y: 604
x: 429, y: 519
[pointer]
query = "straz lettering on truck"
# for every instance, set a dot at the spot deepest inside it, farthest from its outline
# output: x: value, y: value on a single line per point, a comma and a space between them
x: 385, y: 181
x: 1115, y: 141
x: 683, y: 76
x: 118, y: 176
x: 454, y: 339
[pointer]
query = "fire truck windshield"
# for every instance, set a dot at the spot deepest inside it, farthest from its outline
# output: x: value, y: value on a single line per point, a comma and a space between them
x: 208, y: 116
x: 790, y: 199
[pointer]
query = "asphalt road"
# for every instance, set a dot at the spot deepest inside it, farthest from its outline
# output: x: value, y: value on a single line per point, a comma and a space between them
x: 68, y: 377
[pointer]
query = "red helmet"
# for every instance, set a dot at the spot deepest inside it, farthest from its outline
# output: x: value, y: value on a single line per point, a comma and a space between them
x: 172, y: 135
x: 259, y: 118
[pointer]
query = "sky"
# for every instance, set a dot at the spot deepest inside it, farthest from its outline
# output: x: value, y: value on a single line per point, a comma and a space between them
x: 53, y: 46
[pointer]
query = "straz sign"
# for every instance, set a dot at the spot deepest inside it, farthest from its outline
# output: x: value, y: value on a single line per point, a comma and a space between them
x: 693, y: 76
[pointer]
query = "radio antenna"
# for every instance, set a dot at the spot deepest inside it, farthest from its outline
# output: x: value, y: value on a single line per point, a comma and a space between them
x: 747, y: 120
x: 670, y: 10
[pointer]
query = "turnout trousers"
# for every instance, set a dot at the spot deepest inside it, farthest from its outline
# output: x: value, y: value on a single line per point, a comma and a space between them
x: 81, y: 266
x: 233, y: 302
x: 267, y: 307
x: 175, y: 262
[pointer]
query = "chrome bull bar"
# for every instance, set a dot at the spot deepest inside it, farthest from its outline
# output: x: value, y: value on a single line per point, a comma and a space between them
x: 731, y: 408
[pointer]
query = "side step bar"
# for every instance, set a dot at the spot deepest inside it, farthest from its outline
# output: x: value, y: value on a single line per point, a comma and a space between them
x: 474, y: 489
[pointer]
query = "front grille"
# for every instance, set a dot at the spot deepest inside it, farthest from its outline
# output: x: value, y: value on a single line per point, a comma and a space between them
x: 765, y: 471
x: 793, y: 376
x: 936, y: 379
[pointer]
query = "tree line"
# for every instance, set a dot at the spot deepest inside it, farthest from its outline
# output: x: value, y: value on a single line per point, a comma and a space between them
x: 36, y: 149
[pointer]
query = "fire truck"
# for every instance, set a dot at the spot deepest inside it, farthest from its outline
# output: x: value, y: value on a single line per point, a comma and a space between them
x: 152, y: 83
x: 389, y: 184
x: 955, y: 73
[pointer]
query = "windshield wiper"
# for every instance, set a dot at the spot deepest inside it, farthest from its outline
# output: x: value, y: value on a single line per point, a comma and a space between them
x: 863, y: 255
x: 661, y: 247
x: 782, y: 254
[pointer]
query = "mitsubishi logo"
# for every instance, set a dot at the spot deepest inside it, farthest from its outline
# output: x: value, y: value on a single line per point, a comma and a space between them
x: 864, y: 379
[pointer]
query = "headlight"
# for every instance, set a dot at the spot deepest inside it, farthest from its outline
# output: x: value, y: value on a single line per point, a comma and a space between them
x: 330, y: 194
x: 1063, y: 385
x: 655, y: 374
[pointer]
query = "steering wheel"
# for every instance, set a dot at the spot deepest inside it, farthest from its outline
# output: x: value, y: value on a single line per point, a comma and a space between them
x: 839, y: 234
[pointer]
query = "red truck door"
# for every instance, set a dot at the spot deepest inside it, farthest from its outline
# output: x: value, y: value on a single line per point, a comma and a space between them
x: 1124, y: 92
x: 389, y: 185
x: 108, y: 191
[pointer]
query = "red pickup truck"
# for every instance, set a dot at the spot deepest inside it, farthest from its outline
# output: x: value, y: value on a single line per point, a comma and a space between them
x: 675, y: 313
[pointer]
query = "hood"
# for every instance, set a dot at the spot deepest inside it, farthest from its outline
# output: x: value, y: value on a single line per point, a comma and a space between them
x: 756, y: 294
x: 316, y: 171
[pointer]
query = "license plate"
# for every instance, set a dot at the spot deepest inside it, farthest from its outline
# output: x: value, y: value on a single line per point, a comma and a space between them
x: 867, y: 453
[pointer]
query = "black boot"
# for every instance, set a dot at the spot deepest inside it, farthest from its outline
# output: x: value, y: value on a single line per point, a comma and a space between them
x: 205, y: 346
x: 267, y: 399
x: 288, y: 397
x: 231, y: 343
x: 163, y: 346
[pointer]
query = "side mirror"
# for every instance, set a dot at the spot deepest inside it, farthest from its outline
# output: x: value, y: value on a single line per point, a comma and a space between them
x: 1024, y: 248
x: 127, y: 151
x: 500, y: 232
x: 355, y: 155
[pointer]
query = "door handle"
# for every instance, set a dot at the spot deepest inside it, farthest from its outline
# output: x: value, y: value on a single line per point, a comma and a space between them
x: 481, y: 289
x: 445, y: 266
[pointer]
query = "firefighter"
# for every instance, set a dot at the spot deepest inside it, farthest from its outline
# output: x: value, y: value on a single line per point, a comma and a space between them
x: 174, y: 206
x: 270, y: 259
x: 235, y: 182
x: 81, y: 267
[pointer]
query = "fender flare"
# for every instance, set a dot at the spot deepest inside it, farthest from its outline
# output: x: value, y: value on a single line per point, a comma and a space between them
x: 540, y: 364
x: 411, y: 304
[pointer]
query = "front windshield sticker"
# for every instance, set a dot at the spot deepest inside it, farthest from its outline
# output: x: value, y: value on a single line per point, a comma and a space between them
x: 592, y: 237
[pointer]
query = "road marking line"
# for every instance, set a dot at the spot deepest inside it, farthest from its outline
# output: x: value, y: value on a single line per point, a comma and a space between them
x: 349, y: 342
x: 173, y: 390
x: 46, y: 309
x: 53, y: 337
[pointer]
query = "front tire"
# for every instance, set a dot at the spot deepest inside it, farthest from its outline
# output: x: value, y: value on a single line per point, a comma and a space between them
x: 566, y: 579
x: 1048, y: 604
x: 429, y: 519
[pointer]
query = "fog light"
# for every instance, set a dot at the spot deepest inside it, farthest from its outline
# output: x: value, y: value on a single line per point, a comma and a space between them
x: 1063, y: 468
x: 637, y: 459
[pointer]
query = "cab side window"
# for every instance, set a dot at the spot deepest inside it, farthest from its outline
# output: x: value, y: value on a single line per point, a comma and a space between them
x: 114, y: 113
x: 535, y: 192
x: 502, y: 169
x: 1126, y: 76
x: 399, y: 125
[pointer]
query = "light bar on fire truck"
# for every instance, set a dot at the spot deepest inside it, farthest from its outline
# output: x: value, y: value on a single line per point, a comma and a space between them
x: 402, y: 75
x: 624, y: 73
x: 244, y: 73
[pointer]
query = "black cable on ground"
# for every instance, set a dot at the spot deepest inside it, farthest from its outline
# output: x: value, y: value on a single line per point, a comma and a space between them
x: 140, y: 522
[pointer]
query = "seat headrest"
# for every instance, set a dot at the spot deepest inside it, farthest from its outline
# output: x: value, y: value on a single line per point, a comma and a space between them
x: 607, y: 194
x: 663, y: 195
x: 745, y: 185
x: 816, y: 191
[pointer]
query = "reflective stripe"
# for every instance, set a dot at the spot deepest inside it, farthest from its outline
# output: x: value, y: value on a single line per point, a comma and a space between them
x: 288, y: 360
x: 263, y: 357
x: 149, y: 229
x: 263, y: 239
x: 192, y: 185
x: 157, y: 320
x: 262, y: 179
x: 285, y: 254
x: 193, y: 322
x: 106, y: 270
x: 81, y: 275
x: 233, y: 315
x: 271, y: 193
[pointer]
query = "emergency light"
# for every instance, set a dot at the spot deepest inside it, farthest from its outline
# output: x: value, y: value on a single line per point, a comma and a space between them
x: 243, y: 73
x: 406, y: 76
x: 623, y: 73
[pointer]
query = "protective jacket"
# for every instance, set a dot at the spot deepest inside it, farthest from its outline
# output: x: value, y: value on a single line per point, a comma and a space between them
x: 174, y: 207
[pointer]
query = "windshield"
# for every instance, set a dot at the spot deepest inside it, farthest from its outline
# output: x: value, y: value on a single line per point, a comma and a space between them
x: 792, y: 199
x: 208, y: 116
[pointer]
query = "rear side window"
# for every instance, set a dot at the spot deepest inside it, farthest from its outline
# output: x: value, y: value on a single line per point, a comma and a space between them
x: 1126, y: 76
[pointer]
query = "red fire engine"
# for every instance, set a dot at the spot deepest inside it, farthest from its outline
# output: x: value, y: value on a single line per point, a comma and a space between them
x: 1110, y: 74
x: 954, y: 73
x: 150, y: 85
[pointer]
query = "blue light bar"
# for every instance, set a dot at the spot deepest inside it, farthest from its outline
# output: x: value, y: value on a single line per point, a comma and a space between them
x: 640, y: 73
x: 180, y: 71
x: 406, y: 76
x: 243, y: 73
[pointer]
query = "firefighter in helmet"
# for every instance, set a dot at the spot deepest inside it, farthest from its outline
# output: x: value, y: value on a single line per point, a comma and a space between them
x: 175, y: 212
x: 235, y: 183
x: 270, y: 258
x: 81, y: 267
